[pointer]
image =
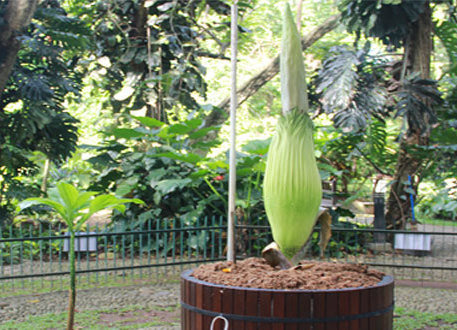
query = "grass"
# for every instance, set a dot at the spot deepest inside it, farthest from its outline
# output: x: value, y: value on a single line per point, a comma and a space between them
x: 35, y: 286
x: 438, y: 222
x: 414, y: 320
x: 135, y: 317
x: 131, y: 317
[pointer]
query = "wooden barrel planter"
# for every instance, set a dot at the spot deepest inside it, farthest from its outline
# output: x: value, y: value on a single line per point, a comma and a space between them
x: 251, y: 308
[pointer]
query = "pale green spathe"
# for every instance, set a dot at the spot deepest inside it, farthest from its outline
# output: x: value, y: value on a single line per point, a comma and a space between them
x: 292, y: 69
x: 292, y: 185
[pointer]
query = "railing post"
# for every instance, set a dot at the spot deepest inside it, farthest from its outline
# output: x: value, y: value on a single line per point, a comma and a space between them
x: 379, y: 218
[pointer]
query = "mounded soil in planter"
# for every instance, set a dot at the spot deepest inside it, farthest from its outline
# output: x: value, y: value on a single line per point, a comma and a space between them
x: 308, y: 275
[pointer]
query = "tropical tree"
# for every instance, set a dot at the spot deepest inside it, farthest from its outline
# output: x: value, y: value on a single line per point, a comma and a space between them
x: 38, y: 70
x: 148, y: 52
x: 407, y: 25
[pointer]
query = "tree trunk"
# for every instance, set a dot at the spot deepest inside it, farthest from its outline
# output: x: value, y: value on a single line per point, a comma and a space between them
x: 46, y: 170
x: 419, y: 46
x: 18, y: 14
x: 220, y: 114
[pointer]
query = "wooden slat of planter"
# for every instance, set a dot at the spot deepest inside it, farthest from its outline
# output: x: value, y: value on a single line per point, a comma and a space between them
x: 217, y: 295
x: 251, y: 309
x: 354, y: 309
x: 279, y: 309
x: 388, y: 301
x: 227, y: 304
x: 207, y: 305
x: 319, y: 309
x: 198, y: 304
x: 315, y: 305
x: 344, y: 309
x: 384, y: 298
x: 264, y: 308
x: 380, y: 295
x: 183, y: 297
x: 376, y: 305
x: 192, y: 299
x: 292, y: 310
x: 365, y: 307
x: 239, y: 307
x: 186, y: 300
x: 304, y: 310
x: 332, y: 310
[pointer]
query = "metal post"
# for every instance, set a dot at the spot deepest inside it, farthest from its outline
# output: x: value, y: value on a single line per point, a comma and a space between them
x: 379, y: 218
x: 232, y: 161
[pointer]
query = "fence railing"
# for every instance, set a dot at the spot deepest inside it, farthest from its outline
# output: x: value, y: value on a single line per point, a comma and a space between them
x: 37, y: 256
x: 428, y: 253
x: 34, y: 256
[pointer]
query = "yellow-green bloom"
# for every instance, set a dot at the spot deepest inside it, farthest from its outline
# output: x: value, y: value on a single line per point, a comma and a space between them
x: 292, y: 185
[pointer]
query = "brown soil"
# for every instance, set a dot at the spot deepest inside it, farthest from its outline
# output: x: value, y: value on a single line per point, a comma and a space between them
x: 308, y: 275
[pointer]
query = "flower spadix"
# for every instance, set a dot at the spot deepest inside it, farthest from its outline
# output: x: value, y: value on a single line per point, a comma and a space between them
x: 292, y: 185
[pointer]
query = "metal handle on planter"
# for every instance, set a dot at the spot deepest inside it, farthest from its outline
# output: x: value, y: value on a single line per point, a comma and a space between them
x: 220, y: 317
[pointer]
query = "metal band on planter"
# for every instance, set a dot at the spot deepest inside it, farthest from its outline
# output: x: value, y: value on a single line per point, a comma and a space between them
x: 287, y: 319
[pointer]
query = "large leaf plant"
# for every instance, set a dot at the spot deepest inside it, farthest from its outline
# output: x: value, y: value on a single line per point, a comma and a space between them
x: 75, y: 208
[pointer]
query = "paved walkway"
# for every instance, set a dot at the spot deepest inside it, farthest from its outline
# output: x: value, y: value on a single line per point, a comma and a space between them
x: 433, y: 300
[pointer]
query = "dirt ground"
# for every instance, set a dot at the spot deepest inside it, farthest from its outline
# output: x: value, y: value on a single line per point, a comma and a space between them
x: 309, y: 275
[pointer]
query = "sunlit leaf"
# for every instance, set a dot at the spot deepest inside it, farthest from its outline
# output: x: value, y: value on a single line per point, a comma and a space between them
x: 150, y: 122
x: 126, y: 133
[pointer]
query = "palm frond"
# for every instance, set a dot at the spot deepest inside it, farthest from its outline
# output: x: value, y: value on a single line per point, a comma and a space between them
x: 350, y: 90
x: 415, y: 103
x: 337, y: 79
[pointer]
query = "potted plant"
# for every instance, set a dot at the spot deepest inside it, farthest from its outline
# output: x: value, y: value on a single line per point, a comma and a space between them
x: 75, y: 208
x: 292, y: 196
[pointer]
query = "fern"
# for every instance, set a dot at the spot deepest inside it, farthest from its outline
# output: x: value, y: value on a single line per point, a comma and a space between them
x: 376, y: 137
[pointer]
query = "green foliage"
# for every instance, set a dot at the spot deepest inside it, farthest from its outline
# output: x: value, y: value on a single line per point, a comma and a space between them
x: 342, y: 243
x: 443, y: 137
x: 158, y: 163
x: 75, y: 207
x: 415, y: 101
x: 32, y: 107
x: 354, y: 157
x: 33, y: 116
x: 370, y: 17
x: 446, y: 32
x: 349, y: 88
x: 14, y: 252
x: 439, y: 202
x: 149, y: 52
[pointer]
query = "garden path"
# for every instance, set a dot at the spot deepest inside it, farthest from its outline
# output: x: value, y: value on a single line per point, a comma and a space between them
x: 164, y: 300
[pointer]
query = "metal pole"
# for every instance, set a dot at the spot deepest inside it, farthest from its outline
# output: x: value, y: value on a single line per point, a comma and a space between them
x: 232, y: 160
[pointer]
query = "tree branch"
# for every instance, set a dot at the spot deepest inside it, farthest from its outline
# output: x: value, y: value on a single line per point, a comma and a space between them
x: 376, y: 167
x: 211, y: 55
x: 219, y: 114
